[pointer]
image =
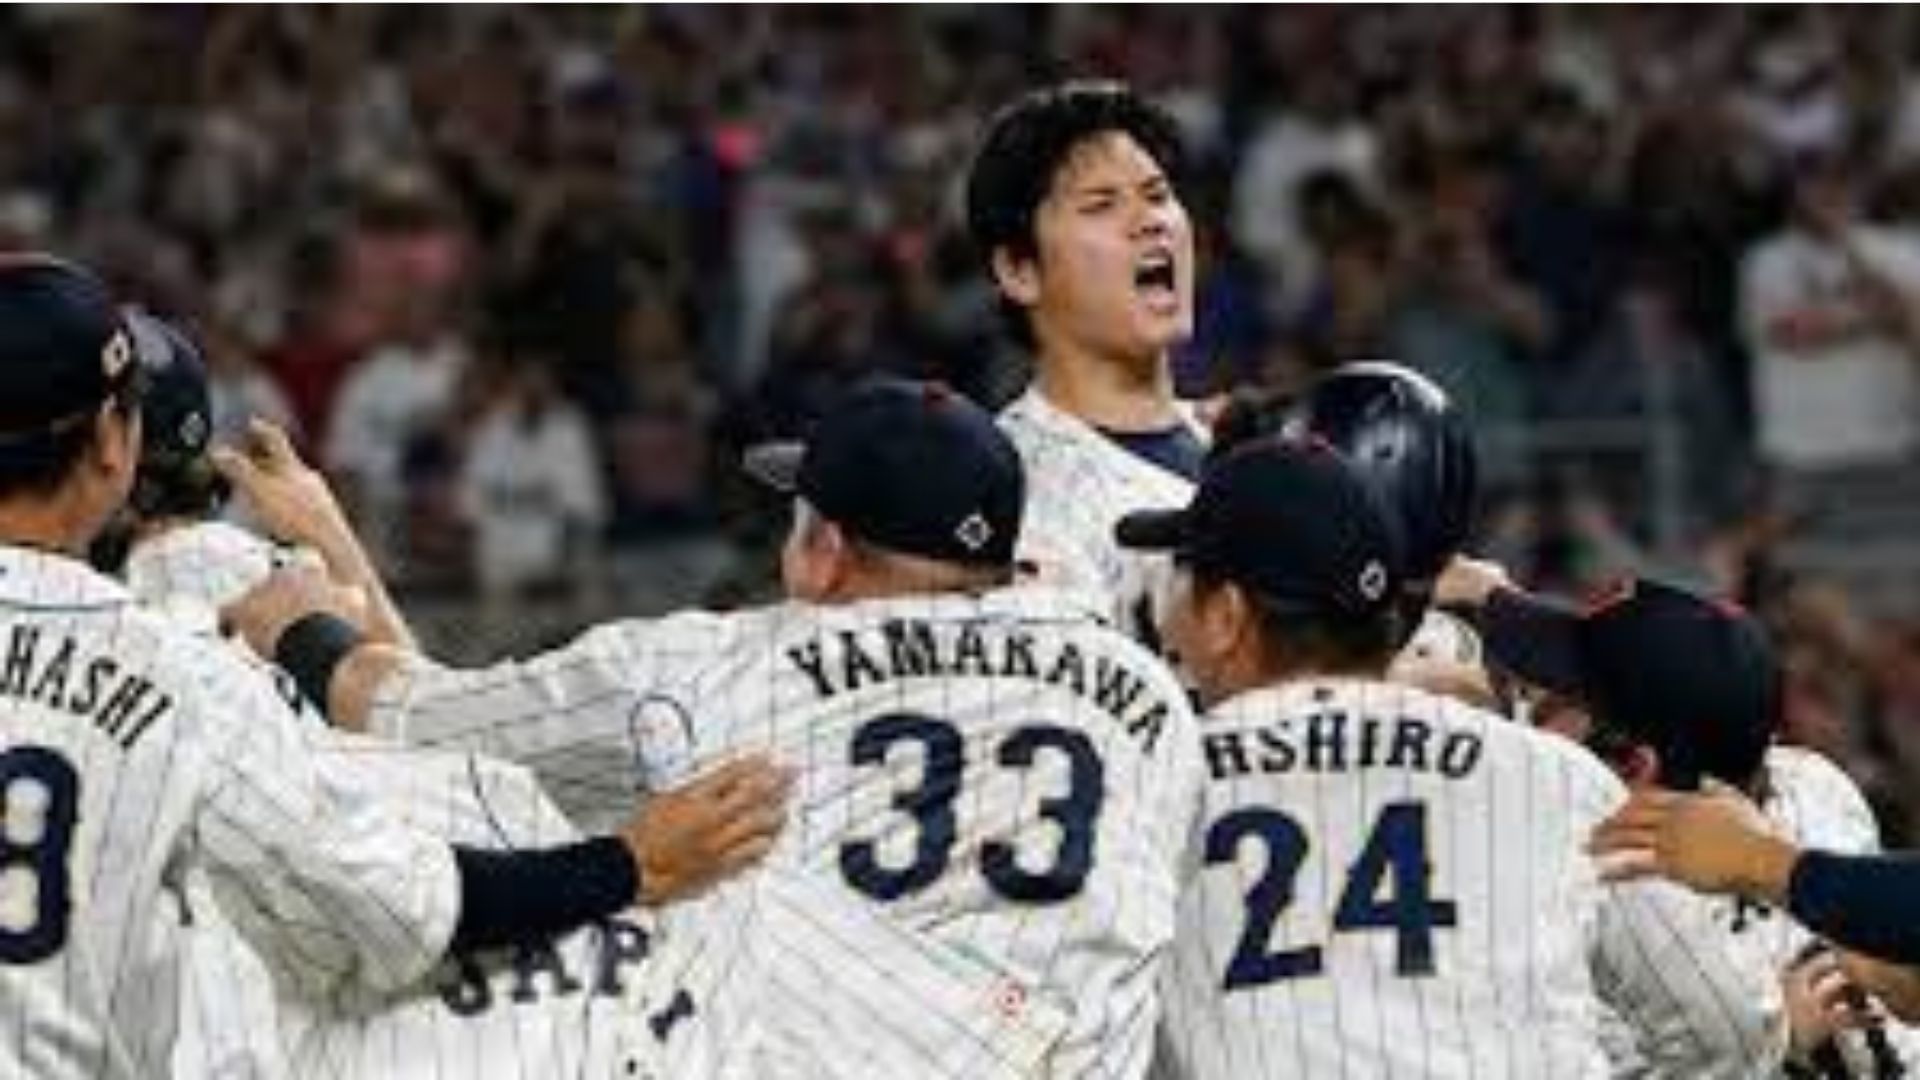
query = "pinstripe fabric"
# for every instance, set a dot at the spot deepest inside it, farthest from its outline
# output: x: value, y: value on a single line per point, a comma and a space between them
x: 1819, y: 806
x: 636, y: 704
x: 1079, y: 483
x: 211, y: 767
x: 1507, y: 993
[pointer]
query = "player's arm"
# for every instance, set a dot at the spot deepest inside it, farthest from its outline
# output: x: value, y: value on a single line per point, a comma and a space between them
x: 297, y: 507
x: 343, y: 893
x: 573, y: 714
x: 1718, y: 842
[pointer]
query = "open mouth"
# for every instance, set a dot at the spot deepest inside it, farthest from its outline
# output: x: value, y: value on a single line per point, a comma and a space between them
x: 1154, y: 275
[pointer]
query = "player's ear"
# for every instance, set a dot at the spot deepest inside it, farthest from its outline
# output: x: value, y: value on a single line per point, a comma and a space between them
x: 116, y: 439
x: 1018, y: 276
x: 1638, y: 764
x: 815, y: 562
x: 1223, y: 619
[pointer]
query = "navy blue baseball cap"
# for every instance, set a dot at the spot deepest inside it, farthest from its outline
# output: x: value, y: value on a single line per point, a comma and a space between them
x: 1288, y: 520
x: 1693, y: 677
x: 177, y: 408
x: 64, y: 348
x: 912, y: 467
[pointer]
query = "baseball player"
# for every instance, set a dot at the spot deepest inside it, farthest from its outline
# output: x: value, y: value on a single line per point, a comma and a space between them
x: 996, y: 779
x: 500, y: 1015
x: 131, y: 751
x: 1676, y: 689
x: 1389, y: 882
x: 1402, y: 437
x: 1073, y: 202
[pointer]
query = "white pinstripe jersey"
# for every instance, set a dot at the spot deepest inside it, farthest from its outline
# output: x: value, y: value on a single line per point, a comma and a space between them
x: 131, y: 750
x: 1001, y: 778
x: 1079, y: 484
x: 1391, y: 883
x: 518, y: 1014
x: 1816, y: 805
x: 229, y: 1027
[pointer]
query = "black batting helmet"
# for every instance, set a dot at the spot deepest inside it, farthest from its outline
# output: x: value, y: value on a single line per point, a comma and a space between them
x: 1401, y: 433
x: 176, y: 477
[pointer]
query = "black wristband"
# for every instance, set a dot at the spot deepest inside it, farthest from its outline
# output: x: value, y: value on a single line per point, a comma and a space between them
x: 311, y: 650
x: 509, y: 897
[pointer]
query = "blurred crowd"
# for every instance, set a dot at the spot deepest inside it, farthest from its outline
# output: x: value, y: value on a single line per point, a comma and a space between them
x: 523, y: 279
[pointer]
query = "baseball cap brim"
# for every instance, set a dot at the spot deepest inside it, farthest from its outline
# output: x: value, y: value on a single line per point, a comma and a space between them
x: 1154, y: 530
x: 1536, y: 640
x: 775, y: 464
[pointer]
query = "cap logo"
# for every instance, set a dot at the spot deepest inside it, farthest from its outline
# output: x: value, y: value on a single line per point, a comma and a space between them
x: 973, y: 532
x: 193, y: 429
x: 1373, y: 580
x: 116, y: 354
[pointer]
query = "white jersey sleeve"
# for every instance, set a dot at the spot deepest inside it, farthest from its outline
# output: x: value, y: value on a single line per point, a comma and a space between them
x: 593, y: 719
x: 1079, y: 485
x: 338, y: 891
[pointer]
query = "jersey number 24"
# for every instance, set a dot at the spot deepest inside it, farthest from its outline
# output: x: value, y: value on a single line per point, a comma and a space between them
x: 1388, y: 888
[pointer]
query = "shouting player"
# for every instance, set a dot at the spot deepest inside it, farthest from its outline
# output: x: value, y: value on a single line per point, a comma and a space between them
x: 1390, y: 882
x: 1073, y: 201
x: 988, y: 768
x: 132, y: 750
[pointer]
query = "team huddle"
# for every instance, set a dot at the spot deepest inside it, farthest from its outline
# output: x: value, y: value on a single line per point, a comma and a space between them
x: 1096, y: 739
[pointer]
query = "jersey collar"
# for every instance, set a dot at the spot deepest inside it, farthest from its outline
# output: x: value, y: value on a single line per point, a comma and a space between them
x: 37, y: 579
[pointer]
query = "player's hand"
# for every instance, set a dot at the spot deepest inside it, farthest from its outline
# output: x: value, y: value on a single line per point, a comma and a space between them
x: 1895, y: 986
x: 292, y: 499
x: 702, y: 832
x: 1468, y: 582
x: 1821, y: 1002
x: 1446, y: 677
x: 1716, y: 842
x: 283, y: 598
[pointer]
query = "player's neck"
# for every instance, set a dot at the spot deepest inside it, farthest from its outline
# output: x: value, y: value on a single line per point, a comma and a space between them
x: 1108, y: 392
x: 46, y: 525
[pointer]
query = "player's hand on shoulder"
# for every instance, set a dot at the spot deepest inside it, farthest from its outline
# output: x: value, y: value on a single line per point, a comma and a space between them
x: 291, y: 499
x: 1715, y: 841
x: 284, y: 597
x: 691, y: 837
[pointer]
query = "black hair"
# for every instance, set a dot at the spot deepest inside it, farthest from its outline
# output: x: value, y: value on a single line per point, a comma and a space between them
x: 1326, y: 643
x: 1025, y: 146
x: 38, y: 462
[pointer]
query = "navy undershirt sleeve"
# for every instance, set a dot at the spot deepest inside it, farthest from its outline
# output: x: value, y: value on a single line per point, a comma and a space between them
x: 510, y: 897
x: 1868, y: 903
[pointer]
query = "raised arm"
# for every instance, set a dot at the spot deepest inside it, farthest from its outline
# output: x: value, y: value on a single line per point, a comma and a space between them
x: 297, y: 507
